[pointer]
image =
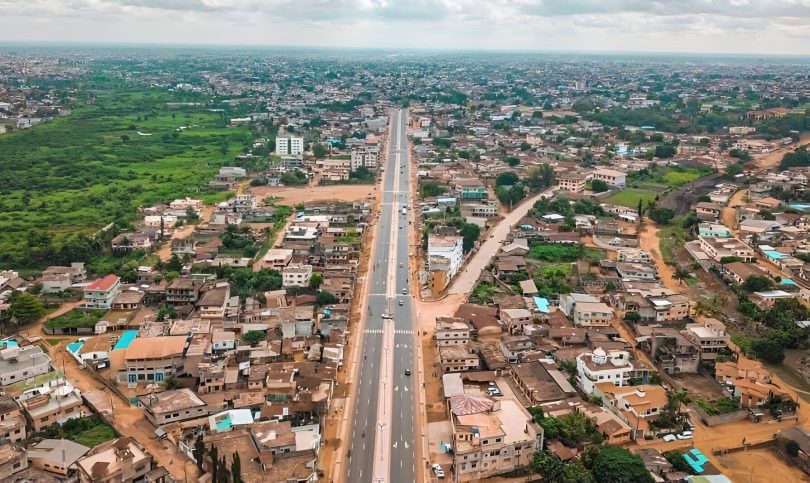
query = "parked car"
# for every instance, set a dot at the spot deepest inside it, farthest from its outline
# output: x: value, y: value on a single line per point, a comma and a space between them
x: 437, y: 470
x: 684, y: 435
x: 407, y: 372
x: 669, y: 437
x: 494, y: 391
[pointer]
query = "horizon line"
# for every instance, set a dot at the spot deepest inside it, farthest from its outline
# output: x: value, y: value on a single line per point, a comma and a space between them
x: 202, y: 45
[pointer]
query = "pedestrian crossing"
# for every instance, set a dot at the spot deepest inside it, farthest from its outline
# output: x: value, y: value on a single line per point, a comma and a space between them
x: 396, y: 331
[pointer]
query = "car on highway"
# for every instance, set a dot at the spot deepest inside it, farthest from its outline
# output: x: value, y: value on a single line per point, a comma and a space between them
x: 437, y: 470
x: 684, y: 435
x: 401, y: 303
x: 407, y: 372
x: 669, y: 437
x: 404, y: 291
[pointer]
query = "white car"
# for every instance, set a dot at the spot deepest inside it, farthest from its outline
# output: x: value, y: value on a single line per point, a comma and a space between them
x: 684, y: 435
x: 669, y: 437
x: 437, y: 470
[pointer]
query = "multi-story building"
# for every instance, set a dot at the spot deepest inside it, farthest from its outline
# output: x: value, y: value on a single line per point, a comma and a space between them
x: 633, y: 255
x: 451, y: 331
x: 153, y: 359
x: 121, y: 460
x: 101, y: 293
x: 635, y: 405
x: 610, y: 176
x: 12, y: 421
x: 471, y: 189
x: 636, y: 271
x: 366, y: 156
x: 719, y: 248
x: 665, y: 308
x: 492, y: 438
x: 56, y: 455
x: 670, y: 350
x: 572, y: 181
x: 456, y: 358
x: 172, y: 406
x: 710, y: 336
x: 601, y: 366
x: 212, y: 303
x: 296, y: 275
x: 450, y: 248
x: 22, y: 363
x: 480, y: 210
x: 183, y: 291
x: 592, y: 314
x: 289, y: 145
x: 61, y: 404
x: 12, y: 460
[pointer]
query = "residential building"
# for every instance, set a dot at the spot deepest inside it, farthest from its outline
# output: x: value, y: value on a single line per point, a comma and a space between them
x: 718, y: 248
x: 12, y: 460
x: 714, y: 230
x: 456, y: 358
x: 633, y: 255
x: 101, y: 293
x: 212, y: 303
x: 572, y: 181
x: 751, y: 383
x: 635, y: 405
x: 709, y: 211
x: 636, y: 271
x: 449, y: 248
x: 183, y: 291
x: 59, y: 405
x: 289, y: 145
x: 670, y: 350
x: 516, y: 320
x: 490, y: 439
x: 471, y: 189
x: 296, y: 275
x: 710, y: 335
x: 170, y: 406
x: 480, y: 210
x: 610, y: 176
x: 153, y: 359
x: 666, y: 308
x: 569, y: 301
x: 452, y: 331
x: 12, y: 421
x: 121, y: 460
x: 22, y: 363
x: 276, y: 258
x: 592, y: 314
x: 602, y: 366
x: 56, y: 455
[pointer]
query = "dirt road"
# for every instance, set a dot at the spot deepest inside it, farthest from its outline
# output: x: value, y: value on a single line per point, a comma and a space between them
x: 165, y: 250
x: 293, y: 195
x: 772, y: 159
x: 648, y: 240
x: 730, y: 211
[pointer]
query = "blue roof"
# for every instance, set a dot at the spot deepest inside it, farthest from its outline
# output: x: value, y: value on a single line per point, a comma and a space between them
x: 774, y: 254
x: 5, y: 344
x: 126, y: 339
x: 542, y: 304
x: 696, y: 460
x: 74, y: 347
x: 787, y: 281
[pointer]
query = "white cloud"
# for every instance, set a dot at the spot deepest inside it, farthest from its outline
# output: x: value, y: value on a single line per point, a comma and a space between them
x: 755, y: 26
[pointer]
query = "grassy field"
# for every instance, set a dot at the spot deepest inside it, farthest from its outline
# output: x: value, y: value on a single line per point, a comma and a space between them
x: 629, y: 197
x: 76, y: 318
x: 77, y: 174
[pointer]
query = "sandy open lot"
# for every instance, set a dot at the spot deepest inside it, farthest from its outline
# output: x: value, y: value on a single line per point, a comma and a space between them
x: 759, y: 465
x: 771, y: 160
x: 293, y: 195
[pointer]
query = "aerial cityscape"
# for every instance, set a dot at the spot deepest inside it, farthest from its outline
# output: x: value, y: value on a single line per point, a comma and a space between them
x: 403, y: 242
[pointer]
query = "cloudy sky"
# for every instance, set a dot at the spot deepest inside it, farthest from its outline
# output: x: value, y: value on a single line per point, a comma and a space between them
x: 728, y: 26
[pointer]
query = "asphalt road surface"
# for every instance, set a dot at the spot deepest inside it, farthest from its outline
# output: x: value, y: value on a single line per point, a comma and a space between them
x: 382, y: 432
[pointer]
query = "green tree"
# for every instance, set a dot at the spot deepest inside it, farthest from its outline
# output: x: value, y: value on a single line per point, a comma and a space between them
x: 618, y: 465
x: 632, y: 317
x: 768, y: 349
x: 547, y: 465
x: 253, y: 336
x: 25, y: 308
x: 174, y: 264
x: 677, y: 460
x: 236, y: 469
x: 680, y: 275
x: 320, y: 151
x: 792, y: 447
x: 507, y: 178
x: 470, y: 233
x: 326, y: 298
x: 315, y: 280
x: 733, y: 170
x: 757, y: 284
x: 599, y: 186
x: 661, y: 216
x: 213, y: 453
x: 524, y: 146
x: 199, y: 452
x: 512, y: 161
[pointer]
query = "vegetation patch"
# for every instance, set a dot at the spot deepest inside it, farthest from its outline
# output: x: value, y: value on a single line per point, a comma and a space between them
x: 76, y: 319
x: 630, y: 197
x: 89, y: 431
x: 721, y: 406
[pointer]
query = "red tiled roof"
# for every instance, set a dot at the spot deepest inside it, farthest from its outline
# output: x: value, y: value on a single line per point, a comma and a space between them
x: 103, y: 284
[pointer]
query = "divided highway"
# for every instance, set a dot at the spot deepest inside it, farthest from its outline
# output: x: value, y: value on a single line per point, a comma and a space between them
x: 381, y: 435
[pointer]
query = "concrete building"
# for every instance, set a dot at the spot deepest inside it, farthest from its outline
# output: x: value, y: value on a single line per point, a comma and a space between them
x: 471, y: 189
x: 289, y: 145
x: 572, y: 182
x: 602, y: 366
x: 12, y: 459
x: 456, y: 358
x: 62, y: 403
x: 718, y: 248
x: 592, y: 314
x: 296, y: 275
x: 171, y: 406
x: 102, y: 293
x: 12, y: 421
x: 121, y: 460
x: 153, y: 359
x: 710, y: 335
x: 633, y: 255
x: 22, y: 363
x: 452, y: 331
x: 610, y: 176
x: 635, y: 405
x: 56, y: 455
x: 450, y: 248
x: 490, y: 439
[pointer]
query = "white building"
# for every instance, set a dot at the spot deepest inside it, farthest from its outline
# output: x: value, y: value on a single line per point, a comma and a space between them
x: 22, y: 363
x: 296, y: 275
x: 450, y: 248
x: 101, y: 293
x: 599, y: 366
x: 610, y: 176
x: 289, y: 145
